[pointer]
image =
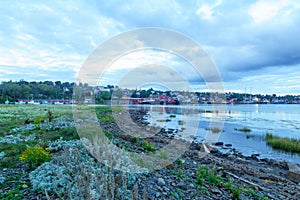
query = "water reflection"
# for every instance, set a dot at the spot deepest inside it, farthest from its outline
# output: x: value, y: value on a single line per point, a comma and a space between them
x: 196, y: 121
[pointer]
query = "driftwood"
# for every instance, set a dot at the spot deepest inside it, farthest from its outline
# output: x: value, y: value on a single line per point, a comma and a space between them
x: 250, y: 183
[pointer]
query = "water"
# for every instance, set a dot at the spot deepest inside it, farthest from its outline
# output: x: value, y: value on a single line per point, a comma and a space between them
x: 282, y: 120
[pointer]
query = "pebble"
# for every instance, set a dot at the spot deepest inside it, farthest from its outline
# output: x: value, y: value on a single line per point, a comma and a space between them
x: 215, y: 191
x: 24, y: 186
x: 161, y: 181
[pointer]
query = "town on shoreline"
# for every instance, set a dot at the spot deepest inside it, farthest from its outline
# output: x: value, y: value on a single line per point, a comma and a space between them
x: 57, y: 92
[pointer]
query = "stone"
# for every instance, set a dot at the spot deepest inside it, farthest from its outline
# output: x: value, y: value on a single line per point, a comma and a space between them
x: 24, y: 186
x: 254, y: 155
x: 182, y: 185
x: 215, y: 191
x: 161, y: 181
x: 219, y: 143
x: 294, y: 172
x: 157, y: 194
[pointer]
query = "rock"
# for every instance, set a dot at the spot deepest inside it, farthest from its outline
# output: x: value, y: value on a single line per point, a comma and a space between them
x: 228, y: 145
x: 294, y: 172
x: 254, y: 155
x: 215, y: 191
x: 182, y: 185
x: 161, y: 181
x: 219, y: 143
x: 24, y: 186
x: 157, y: 194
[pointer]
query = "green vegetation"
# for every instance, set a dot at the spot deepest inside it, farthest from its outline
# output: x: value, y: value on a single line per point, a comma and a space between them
x: 179, y: 173
x: 108, y: 135
x: 37, y: 90
x: 35, y: 156
x: 285, y: 144
x: 214, y: 130
x: 13, y: 194
x: 12, y: 154
x: 106, y: 118
x: 180, y: 122
x: 180, y: 161
x: 20, y: 187
x: 205, y: 176
x: 134, y: 140
x: 148, y: 146
x: 204, y: 173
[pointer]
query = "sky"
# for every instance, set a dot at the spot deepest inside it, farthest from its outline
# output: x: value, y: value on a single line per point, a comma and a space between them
x: 253, y: 44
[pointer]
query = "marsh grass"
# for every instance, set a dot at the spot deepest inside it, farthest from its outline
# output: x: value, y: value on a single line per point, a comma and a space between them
x: 214, y: 130
x: 285, y: 144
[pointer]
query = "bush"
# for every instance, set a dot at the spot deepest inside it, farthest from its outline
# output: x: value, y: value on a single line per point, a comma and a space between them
x: 148, y: 146
x: 38, y: 120
x: 134, y: 140
x: 35, y: 156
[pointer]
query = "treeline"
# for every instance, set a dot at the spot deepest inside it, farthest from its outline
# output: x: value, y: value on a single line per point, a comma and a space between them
x: 12, y: 91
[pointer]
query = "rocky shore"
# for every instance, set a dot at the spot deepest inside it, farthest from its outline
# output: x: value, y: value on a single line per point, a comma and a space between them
x: 202, y: 171
x: 267, y: 178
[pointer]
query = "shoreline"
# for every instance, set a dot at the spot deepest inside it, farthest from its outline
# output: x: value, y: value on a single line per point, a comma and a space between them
x: 226, y: 176
x: 274, y: 179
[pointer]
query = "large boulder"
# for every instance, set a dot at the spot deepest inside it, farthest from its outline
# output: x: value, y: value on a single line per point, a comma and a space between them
x: 294, y: 172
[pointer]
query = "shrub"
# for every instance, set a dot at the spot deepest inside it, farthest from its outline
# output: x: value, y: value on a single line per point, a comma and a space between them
x: 74, y: 174
x: 38, y: 120
x: 236, y: 193
x: 35, y: 156
x: 134, y: 140
x: 210, y: 175
x: 148, y: 146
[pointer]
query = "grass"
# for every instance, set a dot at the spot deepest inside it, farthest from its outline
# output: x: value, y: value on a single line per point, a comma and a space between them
x: 214, y: 130
x: 285, y: 144
x: 206, y: 177
x: 15, y: 185
x: 12, y: 153
x: 180, y: 122
x: 148, y: 146
x: 106, y: 118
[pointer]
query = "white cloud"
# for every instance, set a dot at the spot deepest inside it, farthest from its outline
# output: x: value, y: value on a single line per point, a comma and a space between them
x: 206, y: 11
x: 262, y: 11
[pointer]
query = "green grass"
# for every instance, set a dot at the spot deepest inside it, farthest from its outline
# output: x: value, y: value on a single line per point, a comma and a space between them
x: 12, y: 187
x: 285, y: 144
x: 214, y: 130
x: 205, y: 174
x: 148, y: 146
x: 106, y: 118
x: 179, y: 173
x: 206, y: 177
x: 180, y: 122
x: 12, y: 153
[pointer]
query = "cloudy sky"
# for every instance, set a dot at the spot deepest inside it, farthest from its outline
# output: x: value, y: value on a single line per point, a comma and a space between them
x: 254, y: 44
